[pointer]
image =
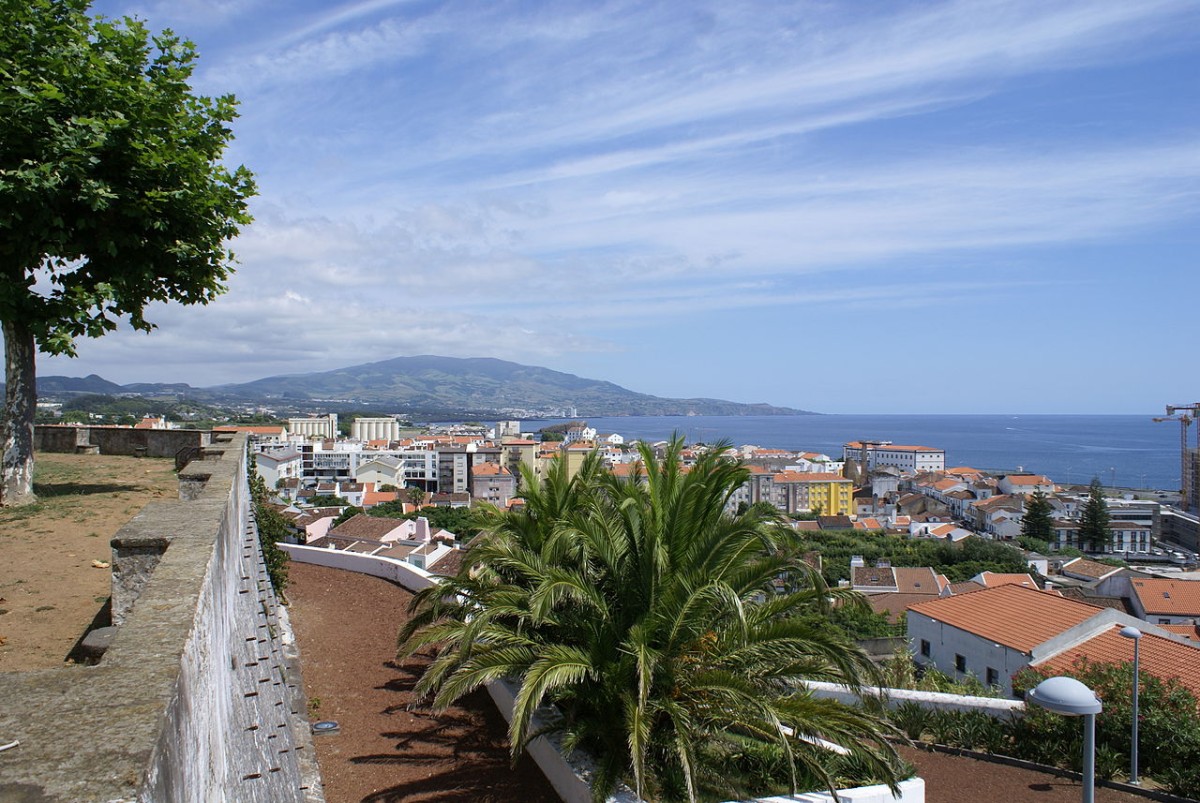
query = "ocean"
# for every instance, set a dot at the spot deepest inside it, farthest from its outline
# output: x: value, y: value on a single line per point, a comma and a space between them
x: 1128, y: 451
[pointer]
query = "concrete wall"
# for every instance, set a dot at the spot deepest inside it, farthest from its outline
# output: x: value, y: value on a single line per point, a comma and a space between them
x: 199, y: 696
x: 119, y: 440
x: 405, y: 574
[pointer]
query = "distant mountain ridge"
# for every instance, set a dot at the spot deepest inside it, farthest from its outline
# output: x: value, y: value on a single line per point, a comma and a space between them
x: 421, y: 385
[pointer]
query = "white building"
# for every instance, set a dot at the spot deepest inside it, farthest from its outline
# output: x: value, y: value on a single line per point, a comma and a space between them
x: 375, y: 429
x: 323, y: 427
x: 909, y: 459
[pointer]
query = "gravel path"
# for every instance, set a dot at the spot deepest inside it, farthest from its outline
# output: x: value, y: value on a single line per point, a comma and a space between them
x: 346, y: 625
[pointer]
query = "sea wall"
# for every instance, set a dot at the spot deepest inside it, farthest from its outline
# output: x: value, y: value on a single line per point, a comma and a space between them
x: 199, y: 695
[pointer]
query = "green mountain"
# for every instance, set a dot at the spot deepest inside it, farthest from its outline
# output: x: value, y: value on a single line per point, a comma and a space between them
x: 477, y: 386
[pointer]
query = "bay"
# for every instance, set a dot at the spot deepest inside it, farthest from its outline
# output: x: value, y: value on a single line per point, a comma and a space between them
x: 1127, y: 451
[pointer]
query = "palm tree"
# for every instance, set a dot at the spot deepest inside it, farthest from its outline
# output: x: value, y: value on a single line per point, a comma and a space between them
x: 648, y: 615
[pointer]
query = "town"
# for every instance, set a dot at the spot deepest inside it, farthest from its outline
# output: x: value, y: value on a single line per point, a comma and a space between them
x: 327, y: 486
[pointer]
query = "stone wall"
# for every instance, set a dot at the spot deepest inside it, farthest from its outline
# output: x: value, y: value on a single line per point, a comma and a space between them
x: 199, y: 696
x: 119, y: 440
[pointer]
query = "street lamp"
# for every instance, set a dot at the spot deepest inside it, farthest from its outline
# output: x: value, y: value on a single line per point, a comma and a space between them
x: 1131, y: 632
x: 1070, y: 697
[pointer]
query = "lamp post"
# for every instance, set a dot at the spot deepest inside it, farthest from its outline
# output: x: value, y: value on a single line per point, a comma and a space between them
x: 1131, y: 632
x: 1070, y: 697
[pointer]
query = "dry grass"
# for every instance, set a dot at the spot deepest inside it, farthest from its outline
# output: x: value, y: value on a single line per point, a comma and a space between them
x: 50, y: 587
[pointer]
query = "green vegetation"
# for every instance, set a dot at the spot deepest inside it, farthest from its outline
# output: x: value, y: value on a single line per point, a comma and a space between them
x: 272, y: 528
x: 648, y: 616
x: 958, y: 562
x: 1169, y: 727
x: 1094, y: 532
x: 458, y: 520
x: 114, y: 194
x: 1037, y: 522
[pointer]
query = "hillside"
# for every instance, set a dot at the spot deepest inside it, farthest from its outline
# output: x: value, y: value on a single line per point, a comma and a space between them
x: 481, y: 385
x: 430, y: 386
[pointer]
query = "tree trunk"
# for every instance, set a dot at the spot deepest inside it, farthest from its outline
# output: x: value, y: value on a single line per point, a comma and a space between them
x: 20, y: 404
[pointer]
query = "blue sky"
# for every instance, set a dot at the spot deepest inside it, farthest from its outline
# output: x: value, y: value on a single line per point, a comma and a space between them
x: 944, y: 207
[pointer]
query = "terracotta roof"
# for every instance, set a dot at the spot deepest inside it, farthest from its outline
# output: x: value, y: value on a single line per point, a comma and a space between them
x: 364, y: 526
x: 490, y: 470
x: 1027, y: 479
x: 1159, y: 656
x: 1091, y: 569
x: 966, y: 470
x: 1168, y: 597
x: 865, y: 577
x: 809, y: 476
x: 918, y: 580
x: 1190, y: 632
x: 892, y: 604
x: 993, y: 579
x: 1012, y: 615
x: 965, y: 587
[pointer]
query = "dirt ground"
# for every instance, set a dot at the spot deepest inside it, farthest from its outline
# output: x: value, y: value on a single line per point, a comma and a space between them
x: 50, y: 589
x: 346, y: 627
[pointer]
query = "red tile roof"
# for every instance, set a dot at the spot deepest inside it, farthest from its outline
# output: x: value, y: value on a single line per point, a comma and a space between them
x: 1168, y: 597
x: 1158, y: 656
x: 1012, y: 615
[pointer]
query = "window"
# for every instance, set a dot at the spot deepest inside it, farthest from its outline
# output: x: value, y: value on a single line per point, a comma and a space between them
x: 960, y: 663
x: 993, y: 677
x: 925, y: 648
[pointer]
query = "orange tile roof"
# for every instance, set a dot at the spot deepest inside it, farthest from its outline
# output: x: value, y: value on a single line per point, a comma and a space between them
x: 489, y: 470
x: 1089, y: 568
x: 1012, y: 615
x: 1027, y: 479
x: 1159, y: 656
x: 993, y: 579
x: 1190, y: 632
x: 808, y: 476
x: 254, y: 430
x: 918, y: 580
x: 1168, y: 597
x: 962, y: 470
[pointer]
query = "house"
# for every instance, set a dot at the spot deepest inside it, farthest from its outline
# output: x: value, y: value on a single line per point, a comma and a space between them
x: 1166, y: 655
x: 1025, y: 484
x: 910, y: 460
x: 274, y: 466
x: 891, y: 589
x: 1165, y: 602
x: 1088, y: 571
x: 994, y: 579
x: 493, y: 483
x: 995, y: 632
x: 1128, y: 539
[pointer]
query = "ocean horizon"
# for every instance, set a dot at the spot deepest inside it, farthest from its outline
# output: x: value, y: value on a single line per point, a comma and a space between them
x: 1128, y: 451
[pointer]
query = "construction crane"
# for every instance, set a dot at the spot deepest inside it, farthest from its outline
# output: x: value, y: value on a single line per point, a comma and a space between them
x: 1185, y: 414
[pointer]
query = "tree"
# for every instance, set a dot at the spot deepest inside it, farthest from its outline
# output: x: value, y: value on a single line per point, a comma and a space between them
x: 648, y: 615
x: 1038, y: 522
x: 1093, y: 522
x: 112, y: 193
x: 415, y: 494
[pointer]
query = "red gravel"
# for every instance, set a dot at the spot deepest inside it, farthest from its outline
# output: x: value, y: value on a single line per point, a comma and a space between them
x: 954, y: 779
x: 346, y: 625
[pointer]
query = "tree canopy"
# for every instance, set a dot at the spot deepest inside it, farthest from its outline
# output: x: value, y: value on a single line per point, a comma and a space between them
x: 1038, y: 521
x: 1094, y: 531
x: 113, y: 194
x: 673, y: 636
